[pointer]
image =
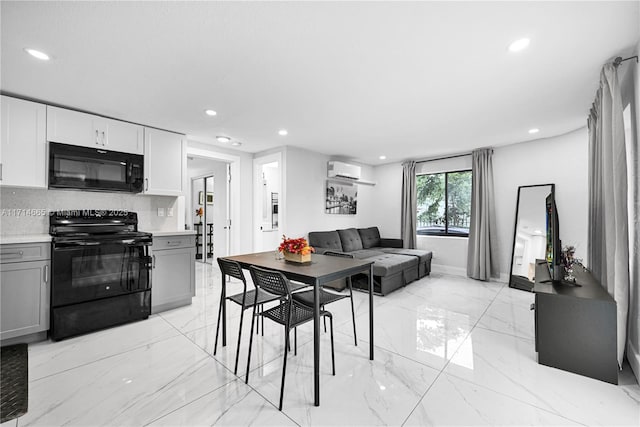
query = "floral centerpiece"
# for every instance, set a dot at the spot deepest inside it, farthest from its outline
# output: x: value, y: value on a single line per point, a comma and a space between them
x: 199, y: 213
x: 569, y: 260
x: 296, y: 250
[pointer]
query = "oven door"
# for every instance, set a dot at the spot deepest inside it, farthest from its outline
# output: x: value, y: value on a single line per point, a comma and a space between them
x: 85, y: 270
x: 86, y: 168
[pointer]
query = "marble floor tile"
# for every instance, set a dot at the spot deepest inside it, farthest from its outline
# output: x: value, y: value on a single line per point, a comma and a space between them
x: 265, y: 348
x: 132, y: 388
x: 363, y: 392
x: 508, y: 364
x: 203, y: 311
x: 452, y: 401
x: 48, y: 357
x: 426, y: 334
x: 459, y: 295
x: 511, y: 313
x: 234, y: 404
x: 10, y: 423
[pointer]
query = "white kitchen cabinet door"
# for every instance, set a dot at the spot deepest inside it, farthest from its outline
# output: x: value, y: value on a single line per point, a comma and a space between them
x: 24, y: 298
x: 74, y: 128
x: 23, y: 161
x: 124, y: 137
x: 164, y: 162
x: 87, y: 130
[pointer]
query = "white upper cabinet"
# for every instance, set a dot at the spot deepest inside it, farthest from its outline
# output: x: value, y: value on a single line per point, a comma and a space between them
x: 23, y: 150
x: 76, y: 128
x: 164, y: 162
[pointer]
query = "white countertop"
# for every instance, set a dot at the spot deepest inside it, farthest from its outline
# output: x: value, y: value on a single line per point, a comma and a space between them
x: 25, y: 238
x: 161, y: 233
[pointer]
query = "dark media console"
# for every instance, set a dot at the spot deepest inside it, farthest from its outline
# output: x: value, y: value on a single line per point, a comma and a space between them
x: 575, y: 326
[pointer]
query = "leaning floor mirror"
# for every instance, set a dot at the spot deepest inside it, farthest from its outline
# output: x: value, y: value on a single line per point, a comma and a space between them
x: 529, y: 234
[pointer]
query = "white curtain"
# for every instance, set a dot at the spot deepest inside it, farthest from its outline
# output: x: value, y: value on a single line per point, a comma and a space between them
x: 481, y: 259
x: 608, y: 240
x: 409, y: 204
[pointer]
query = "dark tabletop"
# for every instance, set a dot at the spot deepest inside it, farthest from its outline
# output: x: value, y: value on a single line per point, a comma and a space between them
x: 323, y: 268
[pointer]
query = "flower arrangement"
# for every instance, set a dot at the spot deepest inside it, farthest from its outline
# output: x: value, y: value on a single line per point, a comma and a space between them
x: 295, y: 246
x: 568, y: 261
x: 199, y: 213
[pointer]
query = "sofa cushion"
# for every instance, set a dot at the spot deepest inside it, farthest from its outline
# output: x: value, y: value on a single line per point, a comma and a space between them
x: 424, y: 256
x: 350, y: 239
x: 370, y: 237
x: 388, y: 264
x: 366, y: 253
x: 326, y: 240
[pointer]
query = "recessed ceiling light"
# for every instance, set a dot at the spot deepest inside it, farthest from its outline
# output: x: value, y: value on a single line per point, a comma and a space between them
x: 224, y: 139
x: 534, y: 130
x: 210, y: 112
x: 283, y: 132
x: 519, y: 45
x: 236, y: 143
x: 382, y: 157
x: 37, y: 54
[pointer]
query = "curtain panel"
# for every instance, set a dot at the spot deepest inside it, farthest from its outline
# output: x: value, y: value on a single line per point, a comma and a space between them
x: 409, y: 205
x: 481, y: 258
x: 608, y: 239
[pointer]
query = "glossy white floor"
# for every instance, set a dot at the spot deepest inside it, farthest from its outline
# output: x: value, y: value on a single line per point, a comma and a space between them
x: 449, y: 351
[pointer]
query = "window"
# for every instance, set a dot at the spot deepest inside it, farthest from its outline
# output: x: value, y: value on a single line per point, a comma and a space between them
x: 444, y: 203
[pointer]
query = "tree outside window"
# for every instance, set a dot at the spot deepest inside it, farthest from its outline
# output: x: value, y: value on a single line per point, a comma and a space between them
x: 444, y: 203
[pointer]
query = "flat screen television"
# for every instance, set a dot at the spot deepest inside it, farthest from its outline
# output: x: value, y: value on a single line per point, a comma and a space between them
x: 554, y: 246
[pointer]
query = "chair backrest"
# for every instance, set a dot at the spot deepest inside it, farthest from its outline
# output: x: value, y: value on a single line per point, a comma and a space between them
x: 339, y: 254
x: 231, y: 268
x: 271, y: 281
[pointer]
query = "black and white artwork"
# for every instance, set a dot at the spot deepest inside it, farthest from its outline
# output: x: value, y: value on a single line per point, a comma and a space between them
x: 341, y: 198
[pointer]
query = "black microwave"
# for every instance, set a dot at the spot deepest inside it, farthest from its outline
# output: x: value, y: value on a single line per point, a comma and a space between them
x: 84, y: 168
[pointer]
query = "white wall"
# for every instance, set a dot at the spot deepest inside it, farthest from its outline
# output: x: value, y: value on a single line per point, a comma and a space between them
x: 561, y: 160
x: 306, y: 176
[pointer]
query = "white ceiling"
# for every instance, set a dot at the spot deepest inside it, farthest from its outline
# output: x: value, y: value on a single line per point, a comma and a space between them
x: 356, y: 79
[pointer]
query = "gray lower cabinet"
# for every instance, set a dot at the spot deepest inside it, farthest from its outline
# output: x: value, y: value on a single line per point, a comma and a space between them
x: 173, y: 277
x: 24, y: 292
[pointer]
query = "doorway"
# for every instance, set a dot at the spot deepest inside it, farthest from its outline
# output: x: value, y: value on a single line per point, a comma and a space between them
x: 208, y: 207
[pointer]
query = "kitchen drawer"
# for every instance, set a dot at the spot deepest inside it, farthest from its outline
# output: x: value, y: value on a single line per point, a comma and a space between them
x: 173, y: 242
x: 25, y: 252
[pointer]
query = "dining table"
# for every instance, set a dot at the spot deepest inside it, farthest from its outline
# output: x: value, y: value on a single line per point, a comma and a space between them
x: 321, y: 270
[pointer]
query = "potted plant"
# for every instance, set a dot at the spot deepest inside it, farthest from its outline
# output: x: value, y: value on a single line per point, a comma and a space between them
x: 296, y: 250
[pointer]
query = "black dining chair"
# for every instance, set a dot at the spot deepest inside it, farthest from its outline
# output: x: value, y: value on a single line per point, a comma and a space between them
x: 327, y: 297
x: 245, y: 299
x: 288, y: 313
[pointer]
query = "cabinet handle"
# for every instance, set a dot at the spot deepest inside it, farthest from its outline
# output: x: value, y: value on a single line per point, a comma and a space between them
x: 153, y: 263
x: 146, y: 184
x: 46, y: 273
x: 97, y: 142
x: 13, y: 254
x: 104, y: 139
x: 170, y: 243
x: 0, y: 171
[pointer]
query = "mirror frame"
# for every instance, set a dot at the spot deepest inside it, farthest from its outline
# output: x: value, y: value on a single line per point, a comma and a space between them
x: 515, y: 231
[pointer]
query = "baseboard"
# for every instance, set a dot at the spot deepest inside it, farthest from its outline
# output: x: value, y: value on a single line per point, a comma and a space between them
x: 633, y: 356
x: 447, y: 269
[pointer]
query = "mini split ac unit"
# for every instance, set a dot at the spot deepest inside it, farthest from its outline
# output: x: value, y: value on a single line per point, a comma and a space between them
x: 337, y: 169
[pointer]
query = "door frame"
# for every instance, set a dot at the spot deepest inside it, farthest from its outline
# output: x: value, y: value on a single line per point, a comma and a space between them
x: 233, y: 193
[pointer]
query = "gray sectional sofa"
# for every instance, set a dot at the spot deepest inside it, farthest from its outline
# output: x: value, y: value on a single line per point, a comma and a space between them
x: 393, y: 267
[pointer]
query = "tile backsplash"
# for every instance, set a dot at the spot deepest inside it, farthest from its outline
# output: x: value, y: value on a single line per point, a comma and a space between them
x: 26, y: 210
